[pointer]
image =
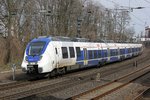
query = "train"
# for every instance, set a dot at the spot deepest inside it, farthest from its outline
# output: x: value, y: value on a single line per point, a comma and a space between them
x: 57, y: 55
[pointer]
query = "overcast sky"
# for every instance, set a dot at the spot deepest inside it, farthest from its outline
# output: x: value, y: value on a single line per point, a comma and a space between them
x: 139, y: 17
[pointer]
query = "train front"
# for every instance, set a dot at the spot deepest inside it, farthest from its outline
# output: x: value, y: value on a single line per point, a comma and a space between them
x: 34, y: 57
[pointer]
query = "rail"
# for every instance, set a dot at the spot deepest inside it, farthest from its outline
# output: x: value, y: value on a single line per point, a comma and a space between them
x: 139, y: 96
x: 100, y: 91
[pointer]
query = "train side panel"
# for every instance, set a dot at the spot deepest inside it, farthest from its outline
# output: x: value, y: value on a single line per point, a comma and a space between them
x: 61, y: 54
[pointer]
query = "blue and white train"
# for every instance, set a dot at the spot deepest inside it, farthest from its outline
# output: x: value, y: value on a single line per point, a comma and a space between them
x: 54, y: 55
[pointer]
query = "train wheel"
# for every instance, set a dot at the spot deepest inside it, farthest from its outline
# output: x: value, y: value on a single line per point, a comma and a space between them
x: 62, y: 71
x: 52, y: 74
x: 99, y: 65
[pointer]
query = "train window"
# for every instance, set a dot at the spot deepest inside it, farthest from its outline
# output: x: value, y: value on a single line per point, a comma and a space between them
x: 95, y: 53
x: 90, y: 54
x: 105, y: 53
x: 117, y: 52
x: 64, y: 52
x: 132, y: 49
x: 56, y: 50
x: 121, y: 51
x: 124, y: 50
x: 78, y: 51
x: 136, y: 49
x: 139, y: 49
x: 112, y: 52
x: 71, y: 50
x: 99, y: 54
x: 129, y: 50
x: 36, y: 48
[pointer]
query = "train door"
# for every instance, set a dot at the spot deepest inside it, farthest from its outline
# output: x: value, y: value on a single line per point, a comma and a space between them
x: 108, y: 54
x: 57, y: 56
x: 85, y: 56
x: 118, y: 53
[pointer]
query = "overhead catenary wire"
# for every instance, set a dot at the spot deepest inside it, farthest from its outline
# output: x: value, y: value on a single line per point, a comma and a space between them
x: 140, y: 21
x: 143, y: 22
x: 113, y: 2
x: 137, y: 1
x: 139, y: 24
x: 137, y: 18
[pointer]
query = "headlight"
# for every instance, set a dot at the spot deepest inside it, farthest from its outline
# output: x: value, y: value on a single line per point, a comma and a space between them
x: 26, y: 58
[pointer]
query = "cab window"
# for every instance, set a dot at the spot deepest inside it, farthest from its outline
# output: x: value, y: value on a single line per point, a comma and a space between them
x: 64, y: 52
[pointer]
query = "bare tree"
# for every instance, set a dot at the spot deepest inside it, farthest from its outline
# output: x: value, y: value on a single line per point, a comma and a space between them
x: 22, y: 20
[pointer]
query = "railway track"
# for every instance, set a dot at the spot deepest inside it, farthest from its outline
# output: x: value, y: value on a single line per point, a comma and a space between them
x: 48, y: 88
x: 58, y: 86
x: 25, y: 82
x: 101, y: 91
x: 19, y: 84
x: 141, y: 94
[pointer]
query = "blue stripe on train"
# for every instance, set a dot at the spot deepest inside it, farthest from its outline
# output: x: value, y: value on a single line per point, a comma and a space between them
x: 93, y: 62
x: 80, y: 63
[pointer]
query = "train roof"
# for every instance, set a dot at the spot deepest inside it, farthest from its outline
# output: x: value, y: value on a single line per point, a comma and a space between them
x: 62, y: 38
x: 69, y: 39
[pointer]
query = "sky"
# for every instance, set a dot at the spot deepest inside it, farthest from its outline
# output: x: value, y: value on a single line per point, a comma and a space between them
x: 140, y: 18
